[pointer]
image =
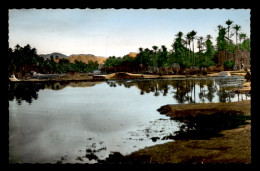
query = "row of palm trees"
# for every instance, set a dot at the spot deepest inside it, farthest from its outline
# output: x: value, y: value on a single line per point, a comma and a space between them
x: 236, y: 28
x: 183, y: 51
x: 190, y: 37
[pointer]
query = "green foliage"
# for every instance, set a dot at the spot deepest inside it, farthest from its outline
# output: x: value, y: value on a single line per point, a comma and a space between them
x: 180, y: 51
x: 236, y: 29
x: 207, y: 63
x: 245, y: 45
x: 221, y: 41
x: 231, y: 47
x: 162, y: 57
x: 113, y: 61
x: 210, y: 51
x: 229, y: 63
x: 23, y: 60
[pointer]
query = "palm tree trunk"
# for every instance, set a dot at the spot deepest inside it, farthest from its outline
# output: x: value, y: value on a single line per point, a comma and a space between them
x: 236, y: 38
x: 193, y: 53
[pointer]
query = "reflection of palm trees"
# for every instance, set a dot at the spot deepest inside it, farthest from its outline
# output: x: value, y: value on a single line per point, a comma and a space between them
x: 211, y: 90
x: 111, y: 83
x: 24, y: 91
x: 194, y: 91
x: 183, y: 90
x: 223, y: 95
x: 202, y: 93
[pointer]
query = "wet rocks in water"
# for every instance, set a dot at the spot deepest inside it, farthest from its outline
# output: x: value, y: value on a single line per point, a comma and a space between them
x: 91, y: 156
x: 114, y: 157
x: 89, y: 151
x: 154, y: 139
x: 118, y: 158
x: 79, y: 158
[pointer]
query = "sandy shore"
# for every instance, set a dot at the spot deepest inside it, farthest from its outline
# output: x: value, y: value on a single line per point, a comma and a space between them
x: 246, y: 87
x: 113, y: 76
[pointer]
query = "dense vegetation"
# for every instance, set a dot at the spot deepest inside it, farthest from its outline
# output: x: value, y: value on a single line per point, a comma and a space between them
x: 23, y: 60
x: 182, y: 52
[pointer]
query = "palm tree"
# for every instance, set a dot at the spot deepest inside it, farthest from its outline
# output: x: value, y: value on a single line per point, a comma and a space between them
x: 141, y: 55
x: 164, y: 54
x: 228, y: 23
x: 236, y: 28
x: 220, y: 27
x: 188, y: 36
x: 155, y: 48
x: 178, y: 47
x: 200, y: 44
x: 154, y: 56
x: 242, y: 36
x: 208, y: 37
x: 193, y: 34
x: 179, y: 34
x: 187, y: 42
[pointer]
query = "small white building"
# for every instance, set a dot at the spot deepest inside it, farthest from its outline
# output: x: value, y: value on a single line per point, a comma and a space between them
x: 13, y: 78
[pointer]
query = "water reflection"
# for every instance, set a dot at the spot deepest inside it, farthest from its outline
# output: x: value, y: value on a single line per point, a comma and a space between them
x: 74, y: 125
x: 182, y: 90
x: 24, y: 91
x: 187, y: 90
x: 28, y: 91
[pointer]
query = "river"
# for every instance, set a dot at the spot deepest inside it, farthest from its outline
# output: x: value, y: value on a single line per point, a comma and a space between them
x: 83, y: 122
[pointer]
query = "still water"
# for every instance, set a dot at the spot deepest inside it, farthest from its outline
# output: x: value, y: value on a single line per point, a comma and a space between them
x: 83, y: 122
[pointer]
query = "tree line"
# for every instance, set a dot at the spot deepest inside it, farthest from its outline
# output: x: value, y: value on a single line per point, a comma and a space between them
x: 23, y: 60
x: 182, y: 52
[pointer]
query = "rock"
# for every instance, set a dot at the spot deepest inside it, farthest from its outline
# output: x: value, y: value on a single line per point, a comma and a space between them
x: 224, y: 73
x: 248, y: 76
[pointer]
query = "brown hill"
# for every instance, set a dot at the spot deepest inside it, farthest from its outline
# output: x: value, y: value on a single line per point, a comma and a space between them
x: 132, y: 54
x: 84, y: 58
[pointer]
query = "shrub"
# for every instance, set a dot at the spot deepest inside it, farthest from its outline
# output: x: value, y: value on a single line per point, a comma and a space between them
x: 229, y: 64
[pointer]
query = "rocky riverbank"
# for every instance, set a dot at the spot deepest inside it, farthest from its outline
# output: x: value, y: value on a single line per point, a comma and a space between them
x: 229, y: 146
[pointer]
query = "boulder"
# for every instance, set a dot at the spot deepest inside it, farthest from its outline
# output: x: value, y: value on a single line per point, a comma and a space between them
x: 248, y: 76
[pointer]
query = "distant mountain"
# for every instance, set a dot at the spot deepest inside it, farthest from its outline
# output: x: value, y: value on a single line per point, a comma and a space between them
x: 84, y: 58
x: 82, y: 55
x: 132, y: 54
x: 59, y: 55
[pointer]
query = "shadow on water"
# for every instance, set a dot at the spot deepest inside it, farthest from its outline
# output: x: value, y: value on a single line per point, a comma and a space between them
x: 207, y: 126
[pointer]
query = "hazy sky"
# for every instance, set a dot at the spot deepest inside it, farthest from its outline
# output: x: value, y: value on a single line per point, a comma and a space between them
x: 114, y: 32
